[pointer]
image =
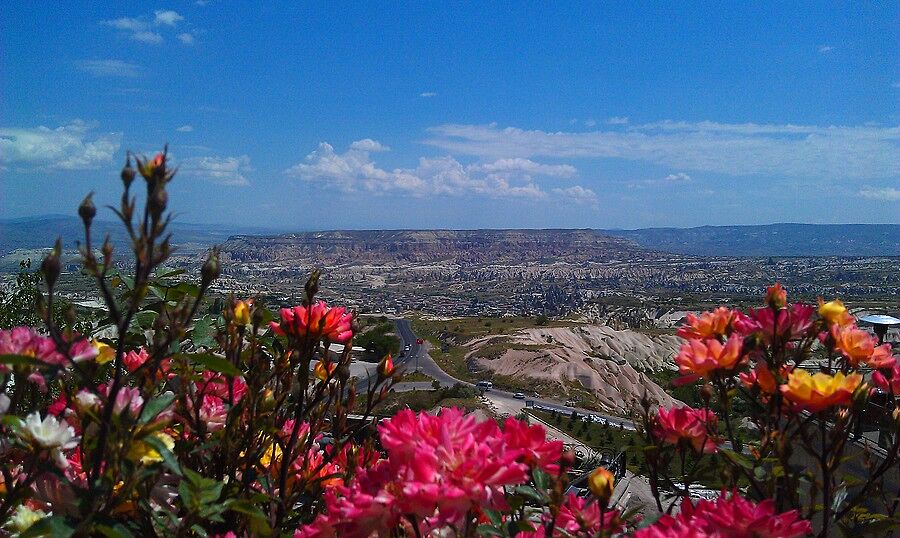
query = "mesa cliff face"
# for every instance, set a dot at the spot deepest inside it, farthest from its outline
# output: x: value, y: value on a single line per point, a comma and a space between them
x: 430, y: 246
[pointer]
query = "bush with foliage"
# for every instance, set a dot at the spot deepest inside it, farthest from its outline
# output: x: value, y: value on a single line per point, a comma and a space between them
x: 240, y: 425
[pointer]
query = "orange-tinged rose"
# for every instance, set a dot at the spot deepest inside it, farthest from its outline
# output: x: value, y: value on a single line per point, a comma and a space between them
x: 323, y: 370
x: 815, y: 392
x: 242, y: 313
x: 386, y: 366
x: 858, y: 346
x: 105, y: 352
x: 708, y: 324
x: 776, y: 296
x: 601, y: 482
x: 704, y: 357
x: 834, y: 312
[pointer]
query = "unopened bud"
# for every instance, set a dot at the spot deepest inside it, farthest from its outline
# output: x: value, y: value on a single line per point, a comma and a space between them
x: 259, y: 316
x: 50, y: 267
x: 268, y: 400
x: 567, y: 459
x: 158, y: 201
x: 87, y: 210
x: 386, y: 366
x: 601, y: 482
x: 776, y: 296
x: 706, y: 392
x: 128, y: 174
x: 312, y: 285
x: 861, y: 395
x: 210, y: 270
x: 242, y: 313
x: 896, y: 416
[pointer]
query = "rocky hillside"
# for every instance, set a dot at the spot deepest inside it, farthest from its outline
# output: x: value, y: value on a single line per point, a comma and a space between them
x: 604, y: 361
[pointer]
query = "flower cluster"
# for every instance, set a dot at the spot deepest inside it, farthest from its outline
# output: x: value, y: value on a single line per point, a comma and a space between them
x: 438, y: 469
x: 686, y: 426
x: 729, y: 516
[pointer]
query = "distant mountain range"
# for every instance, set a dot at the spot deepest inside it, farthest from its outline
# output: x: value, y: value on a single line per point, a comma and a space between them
x: 771, y: 240
x: 760, y: 240
x: 41, y: 232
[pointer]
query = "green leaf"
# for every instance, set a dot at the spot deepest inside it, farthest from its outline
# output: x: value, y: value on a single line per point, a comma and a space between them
x: 737, y: 458
x: 203, y: 332
x: 214, y: 363
x: 19, y: 360
x: 540, y: 479
x: 530, y: 492
x: 488, y: 530
x: 258, y: 524
x: 145, y: 318
x: 156, y: 406
x: 53, y: 526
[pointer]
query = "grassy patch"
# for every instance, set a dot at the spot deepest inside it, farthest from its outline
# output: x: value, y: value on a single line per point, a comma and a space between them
x: 424, y: 400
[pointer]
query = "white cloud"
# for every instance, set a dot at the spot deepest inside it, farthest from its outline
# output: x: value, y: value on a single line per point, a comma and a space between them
x: 68, y: 147
x: 590, y: 123
x: 807, y: 151
x: 167, y: 17
x: 825, y: 49
x: 887, y: 194
x: 146, y: 29
x: 126, y: 23
x: 147, y: 37
x: 219, y: 170
x: 527, y: 166
x: 367, y: 144
x: 185, y: 129
x: 680, y: 176
x: 577, y: 194
x: 617, y: 120
x: 108, y: 68
x: 354, y: 171
x: 428, y: 94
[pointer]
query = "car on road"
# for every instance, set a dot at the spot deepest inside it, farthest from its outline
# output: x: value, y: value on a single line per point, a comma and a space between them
x: 486, y: 385
x: 420, y: 341
x: 519, y: 396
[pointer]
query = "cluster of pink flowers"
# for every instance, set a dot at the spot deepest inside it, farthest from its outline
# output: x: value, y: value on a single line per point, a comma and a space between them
x: 729, y: 516
x: 687, y: 426
x: 579, y: 516
x: 439, y: 468
x: 315, y: 321
x: 27, y: 342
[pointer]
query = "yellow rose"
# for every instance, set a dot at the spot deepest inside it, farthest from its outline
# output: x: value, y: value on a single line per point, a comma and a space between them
x: 146, y: 454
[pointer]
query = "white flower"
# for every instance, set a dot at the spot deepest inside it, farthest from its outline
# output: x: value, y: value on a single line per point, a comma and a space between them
x: 23, y: 518
x: 86, y: 399
x: 48, y: 433
x: 4, y: 404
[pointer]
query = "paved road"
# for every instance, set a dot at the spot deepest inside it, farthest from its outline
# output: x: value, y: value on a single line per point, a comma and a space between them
x: 505, y: 401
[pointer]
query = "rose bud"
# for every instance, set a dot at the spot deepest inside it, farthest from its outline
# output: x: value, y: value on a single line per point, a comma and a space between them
x: 600, y: 482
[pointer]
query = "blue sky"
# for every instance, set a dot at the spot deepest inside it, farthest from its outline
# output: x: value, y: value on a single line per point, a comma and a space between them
x: 427, y: 115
